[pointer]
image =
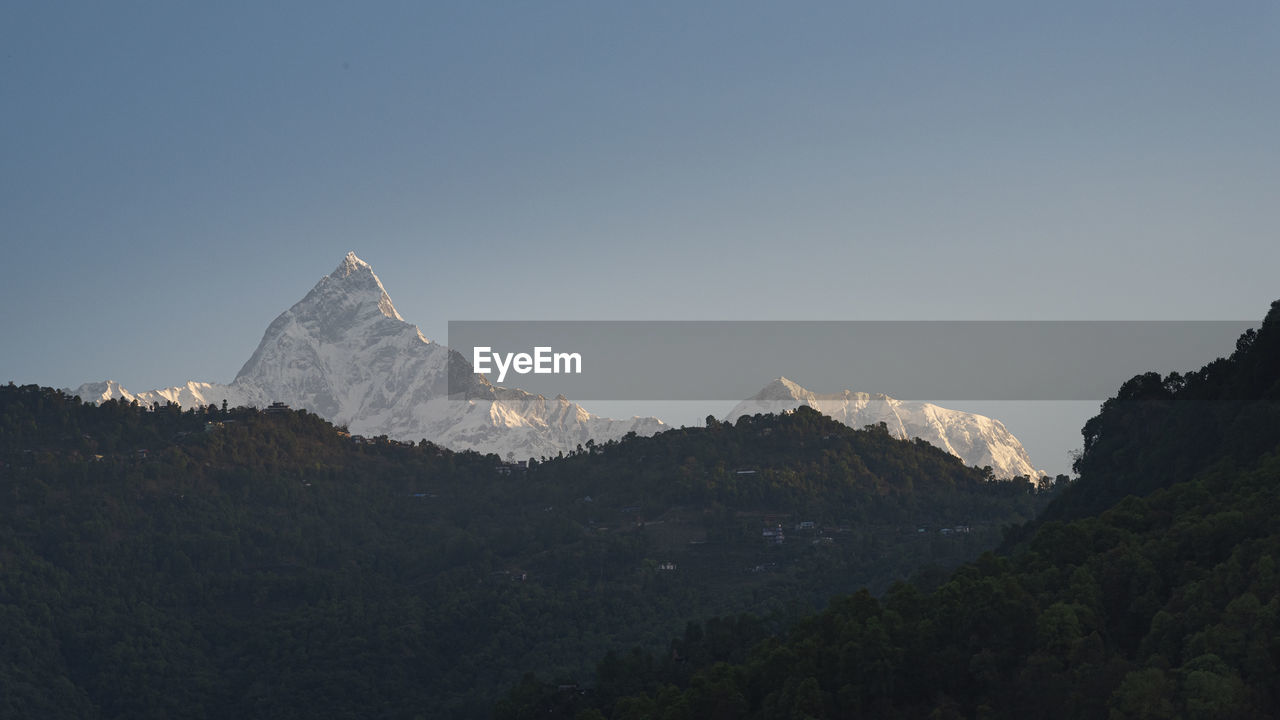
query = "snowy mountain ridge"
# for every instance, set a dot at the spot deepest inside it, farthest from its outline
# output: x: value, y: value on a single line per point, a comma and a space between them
x: 975, y: 439
x: 345, y: 353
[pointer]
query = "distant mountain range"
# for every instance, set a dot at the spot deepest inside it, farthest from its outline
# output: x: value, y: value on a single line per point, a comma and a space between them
x: 976, y: 439
x: 346, y: 354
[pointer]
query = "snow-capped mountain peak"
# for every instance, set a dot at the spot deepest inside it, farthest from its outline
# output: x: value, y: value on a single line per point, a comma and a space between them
x: 975, y: 439
x: 103, y: 391
x: 346, y: 354
x: 781, y: 389
x: 354, y: 281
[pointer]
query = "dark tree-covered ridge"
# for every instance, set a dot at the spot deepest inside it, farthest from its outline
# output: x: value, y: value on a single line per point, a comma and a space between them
x: 1148, y: 589
x: 242, y: 563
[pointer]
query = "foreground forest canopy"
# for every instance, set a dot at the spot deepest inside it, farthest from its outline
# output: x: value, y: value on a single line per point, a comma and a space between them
x: 218, y: 563
x: 1148, y: 589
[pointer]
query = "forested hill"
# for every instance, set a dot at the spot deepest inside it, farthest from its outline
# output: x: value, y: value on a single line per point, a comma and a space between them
x: 1166, y: 604
x: 1158, y: 431
x: 220, y: 563
x: 801, y: 463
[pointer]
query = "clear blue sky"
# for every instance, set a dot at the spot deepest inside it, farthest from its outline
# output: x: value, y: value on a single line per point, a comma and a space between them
x: 174, y: 175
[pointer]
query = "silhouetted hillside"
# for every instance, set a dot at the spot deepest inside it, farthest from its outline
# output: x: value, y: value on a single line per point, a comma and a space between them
x: 244, y: 563
x: 1166, y: 604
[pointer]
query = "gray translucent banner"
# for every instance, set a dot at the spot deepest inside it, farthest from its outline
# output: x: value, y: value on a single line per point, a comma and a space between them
x: 908, y: 360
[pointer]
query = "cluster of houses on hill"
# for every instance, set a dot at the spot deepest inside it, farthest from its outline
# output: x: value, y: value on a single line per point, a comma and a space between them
x: 773, y: 534
x: 517, y: 466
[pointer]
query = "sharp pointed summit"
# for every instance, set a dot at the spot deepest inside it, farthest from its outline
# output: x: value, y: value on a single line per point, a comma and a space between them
x: 346, y: 354
x: 781, y: 389
x: 352, y: 283
x: 343, y: 348
x: 351, y: 262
